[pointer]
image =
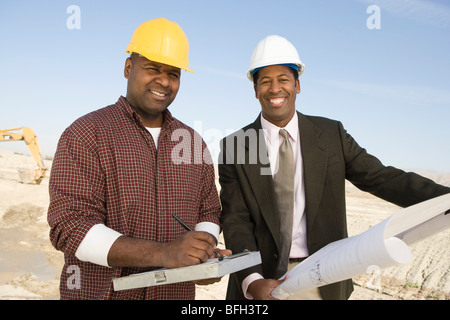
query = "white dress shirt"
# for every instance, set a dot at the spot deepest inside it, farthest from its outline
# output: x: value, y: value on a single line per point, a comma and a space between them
x: 273, y: 141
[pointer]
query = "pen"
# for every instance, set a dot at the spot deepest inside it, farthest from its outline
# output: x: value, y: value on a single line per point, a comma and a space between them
x: 189, y: 229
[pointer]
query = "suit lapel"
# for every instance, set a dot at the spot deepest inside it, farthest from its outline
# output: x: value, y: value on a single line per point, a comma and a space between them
x: 314, y: 167
x: 260, y: 178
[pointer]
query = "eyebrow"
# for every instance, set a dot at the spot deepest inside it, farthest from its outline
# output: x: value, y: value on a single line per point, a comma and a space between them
x: 278, y: 76
x: 151, y: 63
x: 160, y: 66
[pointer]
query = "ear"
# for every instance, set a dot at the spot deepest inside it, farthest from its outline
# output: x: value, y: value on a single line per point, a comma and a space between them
x: 127, y: 69
x: 255, y: 87
x: 297, y: 84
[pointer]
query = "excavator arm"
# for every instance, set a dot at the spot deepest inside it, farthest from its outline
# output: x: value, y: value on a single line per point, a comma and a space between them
x: 32, y: 143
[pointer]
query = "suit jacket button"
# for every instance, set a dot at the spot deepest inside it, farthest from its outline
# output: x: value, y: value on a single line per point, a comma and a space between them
x: 275, y: 256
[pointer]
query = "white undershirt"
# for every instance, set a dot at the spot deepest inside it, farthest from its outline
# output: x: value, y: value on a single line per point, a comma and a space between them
x: 99, y: 239
x: 155, y: 134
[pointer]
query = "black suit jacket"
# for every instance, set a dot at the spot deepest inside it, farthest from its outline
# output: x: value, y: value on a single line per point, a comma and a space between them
x: 330, y: 156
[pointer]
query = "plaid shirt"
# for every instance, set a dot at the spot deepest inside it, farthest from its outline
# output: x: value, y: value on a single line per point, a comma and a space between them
x: 107, y: 170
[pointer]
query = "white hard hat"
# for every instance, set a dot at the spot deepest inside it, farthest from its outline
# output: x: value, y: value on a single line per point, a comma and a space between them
x: 274, y: 50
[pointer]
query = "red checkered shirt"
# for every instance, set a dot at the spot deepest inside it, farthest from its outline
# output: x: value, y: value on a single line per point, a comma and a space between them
x: 107, y: 170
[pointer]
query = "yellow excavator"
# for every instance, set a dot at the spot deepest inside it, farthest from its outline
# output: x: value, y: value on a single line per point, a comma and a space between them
x: 32, y: 143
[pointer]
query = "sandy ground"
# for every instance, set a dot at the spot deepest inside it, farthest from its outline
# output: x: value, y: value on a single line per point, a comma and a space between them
x: 30, y: 266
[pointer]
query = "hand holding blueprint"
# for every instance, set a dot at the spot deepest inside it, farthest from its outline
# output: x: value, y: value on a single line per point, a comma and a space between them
x: 384, y: 245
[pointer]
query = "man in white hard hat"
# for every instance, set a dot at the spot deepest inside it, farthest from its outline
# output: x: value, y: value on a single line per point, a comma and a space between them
x: 291, y: 203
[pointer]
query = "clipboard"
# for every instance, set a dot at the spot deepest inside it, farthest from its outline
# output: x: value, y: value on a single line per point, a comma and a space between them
x: 213, y: 268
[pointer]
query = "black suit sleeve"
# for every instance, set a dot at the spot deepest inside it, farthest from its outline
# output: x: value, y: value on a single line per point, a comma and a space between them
x: 391, y: 184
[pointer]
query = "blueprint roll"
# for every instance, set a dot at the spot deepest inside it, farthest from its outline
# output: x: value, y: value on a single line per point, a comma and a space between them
x: 345, y: 259
x: 382, y: 246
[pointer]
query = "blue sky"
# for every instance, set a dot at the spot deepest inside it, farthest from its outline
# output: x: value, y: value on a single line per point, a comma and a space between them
x: 390, y: 87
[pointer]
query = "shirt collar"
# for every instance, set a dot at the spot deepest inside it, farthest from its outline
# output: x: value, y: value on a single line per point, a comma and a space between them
x: 291, y: 127
x: 123, y: 102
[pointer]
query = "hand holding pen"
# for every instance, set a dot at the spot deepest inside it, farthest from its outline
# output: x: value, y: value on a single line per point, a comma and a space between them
x: 185, y: 226
x: 221, y: 257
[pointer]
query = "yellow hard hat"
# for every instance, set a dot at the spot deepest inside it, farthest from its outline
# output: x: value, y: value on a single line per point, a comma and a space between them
x: 162, y: 41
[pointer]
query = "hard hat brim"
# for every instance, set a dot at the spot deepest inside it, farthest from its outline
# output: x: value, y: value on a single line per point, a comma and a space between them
x: 161, y: 59
x: 301, y: 69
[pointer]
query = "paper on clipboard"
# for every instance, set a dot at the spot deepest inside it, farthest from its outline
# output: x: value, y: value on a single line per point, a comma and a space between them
x: 213, y: 268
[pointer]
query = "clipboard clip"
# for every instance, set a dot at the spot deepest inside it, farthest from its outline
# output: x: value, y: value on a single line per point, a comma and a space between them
x: 160, y: 277
x: 233, y: 256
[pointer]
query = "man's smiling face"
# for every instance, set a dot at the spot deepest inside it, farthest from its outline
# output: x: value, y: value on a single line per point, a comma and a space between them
x: 276, y: 89
x: 152, y: 87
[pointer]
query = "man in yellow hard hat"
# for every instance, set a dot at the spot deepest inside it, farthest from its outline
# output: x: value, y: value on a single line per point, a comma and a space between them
x: 116, y: 181
x: 288, y: 200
